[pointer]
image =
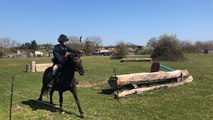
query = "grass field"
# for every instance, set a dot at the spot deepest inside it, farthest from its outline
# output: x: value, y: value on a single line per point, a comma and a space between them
x: 193, y: 101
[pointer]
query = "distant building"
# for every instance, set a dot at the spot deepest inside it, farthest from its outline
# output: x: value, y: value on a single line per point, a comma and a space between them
x: 21, y: 54
x: 208, y: 50
x: 102, y: 52
x: 50, y: 53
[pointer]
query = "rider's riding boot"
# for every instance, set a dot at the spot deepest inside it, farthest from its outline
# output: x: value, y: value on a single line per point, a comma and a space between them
x: 53, y: 80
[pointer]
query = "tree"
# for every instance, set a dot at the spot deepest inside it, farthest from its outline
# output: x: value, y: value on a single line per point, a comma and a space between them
x: 8, y: 43
x: 152, y: 42
x: 95, y: 40
x: 25, y: 46
x: 33, y: 46
x: 74, y: 42
x: 88, y: 47
x: 121, y: 50
x: 7, y: 46
x: 168, y: 49
x: 47, y: 46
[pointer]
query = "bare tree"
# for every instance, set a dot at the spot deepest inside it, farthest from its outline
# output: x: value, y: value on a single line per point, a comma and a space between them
x: 7, y: 46
x: 96, y: 40
x: 8, y: 43
x: 75, y: 42
x: 153, y: 42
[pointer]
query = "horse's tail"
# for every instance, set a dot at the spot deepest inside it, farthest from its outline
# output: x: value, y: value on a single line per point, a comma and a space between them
x: 47, y: 78
x: 46, y: 92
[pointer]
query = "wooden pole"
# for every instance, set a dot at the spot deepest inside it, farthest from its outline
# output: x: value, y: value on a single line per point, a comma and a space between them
x: 33, y: 66
x: 28, y: 68
x: 11, y: 97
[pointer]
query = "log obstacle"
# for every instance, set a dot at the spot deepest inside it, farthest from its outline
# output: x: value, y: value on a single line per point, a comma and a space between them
x: 136, y: 78
x: 160, y: 79
x: 143, y: 89
x: 136, y: 59
x: 33, y: 67
x: 42, y: 67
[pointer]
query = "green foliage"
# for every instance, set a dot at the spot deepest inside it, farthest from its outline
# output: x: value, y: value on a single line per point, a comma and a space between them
x: 33, y: 46
x: 89, y: 47
x: 147, y: 50
x: 121, y: 50
x: 1, y: 54
x: 167, y: 49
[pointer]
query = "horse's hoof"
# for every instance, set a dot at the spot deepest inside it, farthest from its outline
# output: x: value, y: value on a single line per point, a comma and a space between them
x: 82, y: 115
x: 39, y: 99
x: 61, y: 111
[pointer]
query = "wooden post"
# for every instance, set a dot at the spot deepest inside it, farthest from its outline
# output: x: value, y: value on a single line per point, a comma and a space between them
x: 33, y: 66
x: 11, y: 97
x: 28, y: 68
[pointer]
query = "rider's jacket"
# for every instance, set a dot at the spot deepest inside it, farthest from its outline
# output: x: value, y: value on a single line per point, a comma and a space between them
x: 59, y: 53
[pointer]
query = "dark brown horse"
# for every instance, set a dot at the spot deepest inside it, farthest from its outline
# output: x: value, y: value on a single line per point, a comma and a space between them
x: 65, y: 80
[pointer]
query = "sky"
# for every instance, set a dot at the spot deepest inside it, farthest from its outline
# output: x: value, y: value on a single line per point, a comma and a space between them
x: 133, y: 21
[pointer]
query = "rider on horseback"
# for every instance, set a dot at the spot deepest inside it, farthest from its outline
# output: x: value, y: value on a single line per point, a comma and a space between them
x: 60, y: 56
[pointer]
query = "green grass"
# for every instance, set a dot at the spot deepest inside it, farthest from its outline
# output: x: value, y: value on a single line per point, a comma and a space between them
x: 189, y: 102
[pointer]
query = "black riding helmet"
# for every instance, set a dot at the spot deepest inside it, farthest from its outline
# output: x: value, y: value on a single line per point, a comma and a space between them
x: 62, y: 38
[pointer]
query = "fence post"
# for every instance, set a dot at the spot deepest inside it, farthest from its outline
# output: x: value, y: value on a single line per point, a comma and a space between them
x: 28, y: 69
x: 33, y: 66
x: 11, y: 97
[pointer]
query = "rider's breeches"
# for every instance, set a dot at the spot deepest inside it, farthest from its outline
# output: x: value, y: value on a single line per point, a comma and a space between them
x: 56, y: 68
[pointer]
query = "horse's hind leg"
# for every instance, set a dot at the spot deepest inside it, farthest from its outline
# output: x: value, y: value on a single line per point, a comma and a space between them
x: 61, y: 100
x: 42, y: 92
x: 74, y: 92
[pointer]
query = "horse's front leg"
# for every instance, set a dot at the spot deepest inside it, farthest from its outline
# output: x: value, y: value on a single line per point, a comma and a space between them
x: 51, y: 96
x: 61, y: 101
x: 74, y: 92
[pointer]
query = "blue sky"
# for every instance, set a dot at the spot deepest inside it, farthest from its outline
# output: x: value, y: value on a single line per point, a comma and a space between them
x: 134, y: 21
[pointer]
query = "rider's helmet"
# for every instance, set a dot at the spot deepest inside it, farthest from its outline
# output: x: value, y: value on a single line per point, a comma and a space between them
x: 62, y: 38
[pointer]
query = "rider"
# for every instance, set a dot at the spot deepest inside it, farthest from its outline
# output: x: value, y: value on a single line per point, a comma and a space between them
x: 60, y: 55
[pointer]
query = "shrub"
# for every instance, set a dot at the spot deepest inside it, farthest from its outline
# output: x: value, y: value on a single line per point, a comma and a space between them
x: 121, y: 51
x: 168, y: 49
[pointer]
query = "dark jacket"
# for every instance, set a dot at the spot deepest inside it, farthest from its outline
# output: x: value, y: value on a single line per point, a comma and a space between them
x: 59, y: 53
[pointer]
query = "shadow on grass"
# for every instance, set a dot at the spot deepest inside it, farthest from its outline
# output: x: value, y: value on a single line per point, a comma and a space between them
x: 107, y: 91
x: 34, y: 104
x: 44, y: 105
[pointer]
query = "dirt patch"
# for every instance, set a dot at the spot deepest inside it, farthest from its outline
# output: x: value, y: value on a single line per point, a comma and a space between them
x: 91, y: 83
x: 19, y: 107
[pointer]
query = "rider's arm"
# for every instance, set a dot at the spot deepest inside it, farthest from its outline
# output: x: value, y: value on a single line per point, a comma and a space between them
x: 71, y: 50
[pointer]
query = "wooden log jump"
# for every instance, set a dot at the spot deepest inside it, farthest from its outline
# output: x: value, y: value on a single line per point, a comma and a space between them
x: 140, y: 90
x: 42, y: 67
x: 136, y: 59
x: 33, y: 67
x: 157, y: 80
x: 136, y: 78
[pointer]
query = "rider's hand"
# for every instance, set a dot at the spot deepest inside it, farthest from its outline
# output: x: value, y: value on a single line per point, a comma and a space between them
x: 81, y: 52
x: 67, y: 53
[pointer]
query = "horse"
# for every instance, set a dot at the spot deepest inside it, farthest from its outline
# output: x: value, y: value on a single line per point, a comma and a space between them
x: 65, y: 80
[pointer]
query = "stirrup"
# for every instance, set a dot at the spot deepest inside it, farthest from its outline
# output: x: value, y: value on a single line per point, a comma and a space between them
x: 50, y: 85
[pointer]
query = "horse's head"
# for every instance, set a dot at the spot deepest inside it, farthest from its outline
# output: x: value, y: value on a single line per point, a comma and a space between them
x: 77, y: 63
